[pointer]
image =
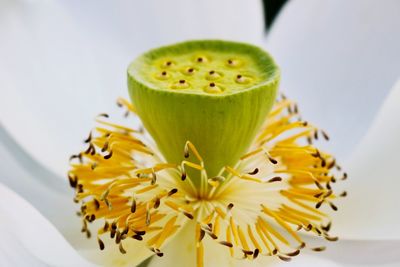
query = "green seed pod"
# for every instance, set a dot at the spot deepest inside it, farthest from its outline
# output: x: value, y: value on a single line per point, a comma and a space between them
x: 213, y: 93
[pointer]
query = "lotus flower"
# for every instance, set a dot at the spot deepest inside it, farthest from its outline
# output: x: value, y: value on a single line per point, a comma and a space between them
x: 30, y: 239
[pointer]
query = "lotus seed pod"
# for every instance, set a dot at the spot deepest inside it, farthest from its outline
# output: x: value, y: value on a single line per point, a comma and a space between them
x: 215, y: 94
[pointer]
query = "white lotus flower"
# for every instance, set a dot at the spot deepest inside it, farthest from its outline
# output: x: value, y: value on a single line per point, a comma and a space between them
x: 26, y: 232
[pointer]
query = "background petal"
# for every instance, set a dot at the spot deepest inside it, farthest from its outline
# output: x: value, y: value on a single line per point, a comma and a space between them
x: 27, y: 233
x: 339, y: 59
x: 64, y: 62
x: 363, y: 252
x: 371, y: 210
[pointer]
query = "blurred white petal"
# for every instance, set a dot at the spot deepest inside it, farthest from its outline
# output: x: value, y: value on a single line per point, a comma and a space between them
x: 52, y: 197
x: 363, y: 252
x: 180, y: 252
x: 371, y: 211
x: 63, y: 62
x: 339, y: 59
x: 27, y: 233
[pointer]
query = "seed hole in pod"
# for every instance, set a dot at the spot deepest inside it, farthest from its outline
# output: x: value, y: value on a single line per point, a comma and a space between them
x: 181, y: 84
x: 233, y: 63
x: 167, y: 64
x: 201, y: 59
x: 189, y: 71
x: 164, y: 75
x: 243, y: 79
x: 213, y: 88
x: 213, y: 75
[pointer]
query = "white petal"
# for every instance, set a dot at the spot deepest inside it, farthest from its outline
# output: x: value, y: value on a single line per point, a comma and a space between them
x: 52, y: 197
x: 339, y: 59
x: 363, y: 252
x: 180, y: 252
x: 28, y: 233
x: 371, y: 210
x: 62, y: 63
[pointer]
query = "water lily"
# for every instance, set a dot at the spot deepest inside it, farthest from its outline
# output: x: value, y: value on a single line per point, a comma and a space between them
x: 359, y: 233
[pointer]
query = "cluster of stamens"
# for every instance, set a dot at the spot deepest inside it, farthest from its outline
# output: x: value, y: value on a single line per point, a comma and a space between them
x: 257, y: 207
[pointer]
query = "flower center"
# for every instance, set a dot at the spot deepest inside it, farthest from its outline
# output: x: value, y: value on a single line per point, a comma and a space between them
x: 255, y: 207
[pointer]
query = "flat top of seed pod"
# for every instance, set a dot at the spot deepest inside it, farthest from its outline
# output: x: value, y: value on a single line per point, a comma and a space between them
x: 209, y: 67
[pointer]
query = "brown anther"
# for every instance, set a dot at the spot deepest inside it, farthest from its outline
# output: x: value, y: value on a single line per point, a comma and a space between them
x: 87, y: 140
x: 226, y: 243
x: 139, y: 232
x: 333, y: 206
x: 318, y: 205
x: 272, y: 160
x: 255, y: 171
x: 275, y: 179
x: 112, y: 233
x: 73, y: 180
x: 101, y: 243
x: 172, y: 191
x: 121, y: 249
x: 105, y: 147
x: 106, y: 226
x: 212, y: 72
x: 328, y: 186
x: 327, y: 227
x: 212, y: 235
x: 190, y: 70
x: 212, y: 84
x: 137, y: 237
x: 309, y: 140
x: 319, y: 249
x: 118, y: 237
x: 105, y: 115
x: 230, y: 61
x: 316, y: 135
x: 255, y: 254
x: 331, y: 238
x: 331, y: 164
x: 287, y: 259
x: 343, y: 194
x: 323, y: 162
x: 133, y: 206
x: 79, y: 156
x: 202, y: 234
x: 296, y: 108
x: 183, y: 176
x: 109, y: 155
x: 182, y: 81
x: 200, y: 59
x: 190, y: 216
x: 247, y: 252
x: 88, y: 234
x: 302, y: 245
x: 157, y: 203
x: 168, y: 63
x: 318, y: 195
x: 239, y: 76
x: 153, y: 178
x: 294, y: 253
x: 325, y: 135
x: 164, y: 73
x: 344, y: 176
x: 230, y: 206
